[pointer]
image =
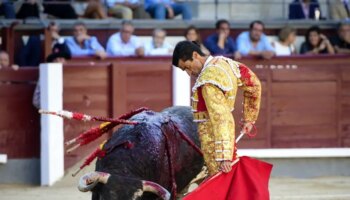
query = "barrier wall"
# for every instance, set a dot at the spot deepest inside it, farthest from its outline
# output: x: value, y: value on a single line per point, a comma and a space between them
x: 305, y: 100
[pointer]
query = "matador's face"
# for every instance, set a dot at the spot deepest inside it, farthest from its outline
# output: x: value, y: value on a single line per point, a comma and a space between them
x: 192, y: 67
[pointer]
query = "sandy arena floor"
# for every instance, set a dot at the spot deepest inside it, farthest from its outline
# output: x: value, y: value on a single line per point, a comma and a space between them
x: 323, y: 188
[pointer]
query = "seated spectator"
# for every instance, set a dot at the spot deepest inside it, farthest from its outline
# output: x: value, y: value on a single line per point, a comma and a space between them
x: 316, y: 43
x: 285, y: 44
x: 60, y: 55
x: 7, y: 9
x: 58, y: 43
x: 122, y: 8
x: 5, y: 61
x: 95, y: 10
x: 341, y: 42
x: 124, y: 43
x: 31, y: 52
x: 304, y: 9
x: 340, y: 9
x: 29, y: 9
x: 192, y: 34
x: 60, y: 9
x: 82, y: 44
x: 158, y: 46
x: 254, y: 42
x: 220, y: 43
x: 167, y: 9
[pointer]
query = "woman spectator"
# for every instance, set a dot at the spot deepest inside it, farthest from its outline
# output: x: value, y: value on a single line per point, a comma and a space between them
x: 192, y: 34
x: 316, y: 43
x: 285, y: 44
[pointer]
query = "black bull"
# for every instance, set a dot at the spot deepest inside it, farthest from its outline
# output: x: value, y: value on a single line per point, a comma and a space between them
x: 147, y: 160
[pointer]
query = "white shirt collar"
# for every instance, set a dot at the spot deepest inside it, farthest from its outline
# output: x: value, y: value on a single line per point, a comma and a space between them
x: 210, y: 58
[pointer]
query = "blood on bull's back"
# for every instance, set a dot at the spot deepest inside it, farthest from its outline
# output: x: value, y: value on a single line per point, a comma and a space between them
x: 150, y: 160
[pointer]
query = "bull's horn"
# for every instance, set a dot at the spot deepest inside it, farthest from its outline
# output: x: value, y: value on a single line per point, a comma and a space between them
x: 90, y: 180
x: 149, y: 186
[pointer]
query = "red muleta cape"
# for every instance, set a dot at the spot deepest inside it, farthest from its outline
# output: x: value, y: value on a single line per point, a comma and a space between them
x: 248, y: 180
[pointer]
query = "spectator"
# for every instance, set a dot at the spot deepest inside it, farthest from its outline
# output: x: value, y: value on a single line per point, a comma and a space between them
x: 254, y: 42
x: 60, y: 8
x: 192, y: 34
x: 59, y: 45
x: 304, y: 9
x: 7, y: 9
x: 122, y: 8
x: 95, y: 10
x: 341, y: 42
x: 5, y: 61
x: 59, y: 55
x: 31, y: 52
x: 340, y: 9
x: 285, y: 44
x: 220, y: 43
x: 158, y: 45
x: 124, y: 43
x: 316, y: 43
x: 82, y: 44
x: 29, y: 9
x: 162, y: 9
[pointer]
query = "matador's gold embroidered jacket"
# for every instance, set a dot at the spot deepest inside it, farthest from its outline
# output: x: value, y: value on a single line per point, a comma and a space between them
x: 213, y: 101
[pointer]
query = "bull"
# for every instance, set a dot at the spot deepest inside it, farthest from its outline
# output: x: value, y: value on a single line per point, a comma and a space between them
x: 147, y: 160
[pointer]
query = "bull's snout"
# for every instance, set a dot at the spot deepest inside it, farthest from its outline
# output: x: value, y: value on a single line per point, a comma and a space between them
x: 90, y: 180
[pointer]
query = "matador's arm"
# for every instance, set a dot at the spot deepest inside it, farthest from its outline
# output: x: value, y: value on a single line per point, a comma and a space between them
x: 221, y: 120
x: 252, y: 94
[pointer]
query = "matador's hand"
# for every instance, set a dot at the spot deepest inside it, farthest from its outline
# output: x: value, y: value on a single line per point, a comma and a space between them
x: 247, y: 127
x: 225, y: 166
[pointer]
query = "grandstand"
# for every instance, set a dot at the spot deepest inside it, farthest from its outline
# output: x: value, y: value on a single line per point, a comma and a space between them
x: 305, y: 111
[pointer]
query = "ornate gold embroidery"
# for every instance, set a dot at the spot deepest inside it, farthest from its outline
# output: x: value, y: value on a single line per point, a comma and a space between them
x: 216, y: 126
x: 252, y: 98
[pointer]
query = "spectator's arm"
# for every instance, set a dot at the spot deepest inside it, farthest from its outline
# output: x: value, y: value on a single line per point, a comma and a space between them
x: 212, y: 46
x: 95, y: 45
x: 139, y: 46
x: 242, y: 48
x: 342, y: 50
x: 267, y: 44
x: 76, y: 50
x: 112, y: 48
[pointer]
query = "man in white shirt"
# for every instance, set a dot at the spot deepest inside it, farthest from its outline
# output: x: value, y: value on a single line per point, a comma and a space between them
x: 124, y: 43
x: 158, y: 46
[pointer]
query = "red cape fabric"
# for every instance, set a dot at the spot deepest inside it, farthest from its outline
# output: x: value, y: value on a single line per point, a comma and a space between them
x: 248, y: 180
